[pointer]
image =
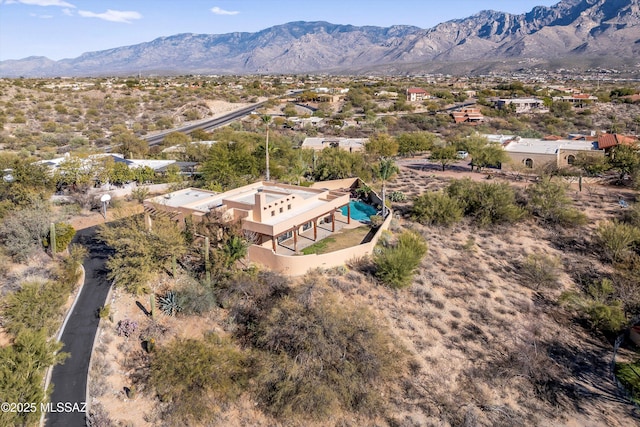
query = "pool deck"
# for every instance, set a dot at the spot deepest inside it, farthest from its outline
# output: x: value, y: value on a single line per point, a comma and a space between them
x: 305, y: 239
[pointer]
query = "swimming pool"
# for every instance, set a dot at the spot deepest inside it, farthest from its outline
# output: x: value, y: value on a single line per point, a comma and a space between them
x: 360, y: 211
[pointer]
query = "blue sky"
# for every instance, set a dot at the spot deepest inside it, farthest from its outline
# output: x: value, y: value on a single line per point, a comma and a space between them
x: 67, y: 28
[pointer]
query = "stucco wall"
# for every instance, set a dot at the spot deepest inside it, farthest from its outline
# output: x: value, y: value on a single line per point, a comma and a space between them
x: 542, y: 159
x: 300, y: 264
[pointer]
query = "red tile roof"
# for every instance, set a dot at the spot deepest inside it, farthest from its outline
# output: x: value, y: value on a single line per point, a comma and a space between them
x: 608, y: 140
x: 416, y: 90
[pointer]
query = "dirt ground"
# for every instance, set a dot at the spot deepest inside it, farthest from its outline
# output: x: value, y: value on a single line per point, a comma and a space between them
x: 465, y: 316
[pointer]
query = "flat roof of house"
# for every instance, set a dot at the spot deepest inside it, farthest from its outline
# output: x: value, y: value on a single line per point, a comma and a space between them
x: 184, y: 197
x: 204, y: 200
x: 314, y: 142
x: 539, y: 146
x: 521, y: 100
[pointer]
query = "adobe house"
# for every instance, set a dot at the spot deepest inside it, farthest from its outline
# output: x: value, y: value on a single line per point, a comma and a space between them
x: 533, y: 153
x: 415, y: 94
x: 282, y: 218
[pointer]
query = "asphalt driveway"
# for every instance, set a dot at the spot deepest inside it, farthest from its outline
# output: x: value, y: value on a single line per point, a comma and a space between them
x: 69, y: 380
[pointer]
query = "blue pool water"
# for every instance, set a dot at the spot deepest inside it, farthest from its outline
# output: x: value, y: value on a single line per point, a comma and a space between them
x: 360, y: 211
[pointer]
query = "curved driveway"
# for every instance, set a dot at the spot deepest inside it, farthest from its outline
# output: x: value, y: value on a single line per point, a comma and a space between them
x: 69, y: 379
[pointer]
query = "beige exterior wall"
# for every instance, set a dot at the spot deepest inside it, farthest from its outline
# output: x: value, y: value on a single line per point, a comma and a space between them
x: 301, y: 264
x: 561, y: 159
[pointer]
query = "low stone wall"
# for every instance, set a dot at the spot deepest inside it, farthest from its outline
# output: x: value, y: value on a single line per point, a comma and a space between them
x: 298, y: 265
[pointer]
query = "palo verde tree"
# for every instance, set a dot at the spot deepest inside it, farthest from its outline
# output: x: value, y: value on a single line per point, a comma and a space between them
x: 445, y: 155
x: 141, y: 253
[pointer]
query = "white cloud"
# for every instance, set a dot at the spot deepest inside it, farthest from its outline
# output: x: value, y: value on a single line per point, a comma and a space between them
x: 59, y: 3
x: 67, y: 12
x: 41, y: 16
x: 218, y: 11
x: 112, y: 15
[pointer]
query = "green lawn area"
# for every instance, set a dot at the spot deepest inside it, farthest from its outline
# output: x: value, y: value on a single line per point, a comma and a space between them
x: 341, y: 240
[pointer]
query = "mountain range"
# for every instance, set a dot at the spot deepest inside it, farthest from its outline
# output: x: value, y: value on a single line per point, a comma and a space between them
x: 587, y: 33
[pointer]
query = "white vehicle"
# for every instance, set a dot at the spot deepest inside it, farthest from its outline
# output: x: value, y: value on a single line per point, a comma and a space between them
x: 462, y: 154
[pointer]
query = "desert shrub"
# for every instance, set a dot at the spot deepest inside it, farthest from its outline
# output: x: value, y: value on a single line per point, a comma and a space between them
x: 21, y: 233
x: 321, y: 356
x: 196, y: 298
x: 126, y: 328
x: 540, y: 271
x: 436, y: 208
x: 70, y: 265
x: 36, y: 306
x: 22, y: 369
x: 64, y: 235
x: 617, y: 239
x: 397, y: 196
x: 140, y: 253
x: 140, y: 194
x: 376, y: 221
x: 548, y: 201
x: 627, y: 373
x: 486, y: 203
x: 396, y: 265
x: 598, y: 305
x: 632, y: 215
x: 195, y: 377
x: 99, y: 417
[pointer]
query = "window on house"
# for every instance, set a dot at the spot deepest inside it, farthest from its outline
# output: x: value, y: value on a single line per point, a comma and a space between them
x: 288, y: 207
x: 571, y: 159
x: 273, y: 213
x: 528, y: 163
x: 281, y: 210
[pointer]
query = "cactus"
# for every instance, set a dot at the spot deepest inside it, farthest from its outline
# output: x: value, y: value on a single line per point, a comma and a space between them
x: 152, y: 304
x: 169, y: 304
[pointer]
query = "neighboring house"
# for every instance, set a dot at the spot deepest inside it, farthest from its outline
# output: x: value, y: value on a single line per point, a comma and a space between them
x: 347, y: 144
x: 303, y: 122
x: 522, y: 105
x: 577, y: 100
x: 280, y: 219
x: 606, y: 141
x: 416, y: 94
x: 533, y: 153
x: 468, y: 115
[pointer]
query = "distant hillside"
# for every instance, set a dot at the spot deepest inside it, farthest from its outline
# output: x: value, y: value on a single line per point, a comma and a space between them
x: 587, y: 32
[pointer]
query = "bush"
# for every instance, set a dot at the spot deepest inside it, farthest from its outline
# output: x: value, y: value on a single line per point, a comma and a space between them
x: 196, y: 298
x: 397, y: 196
x: 486, y: 203
x: 603, y: 311
x: 140, y: 194
x: 195, y: 377
x: 548, y: 201
x: 64, y: 235
x: 436, y: 209
x: 22, y: 370
x: 617, y: 239
x: 36, y: 306
x: 21, y: 233
x: 396, y: 265
x: 541, y: 270
x: 126, y: 328
x: 628, y: 375
x: 321, y: 356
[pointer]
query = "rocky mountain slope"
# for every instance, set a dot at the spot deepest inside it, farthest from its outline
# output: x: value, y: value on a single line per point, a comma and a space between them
x: 572, y: 29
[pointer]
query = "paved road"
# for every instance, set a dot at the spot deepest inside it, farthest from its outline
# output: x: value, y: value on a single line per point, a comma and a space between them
x: 69, y: 380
